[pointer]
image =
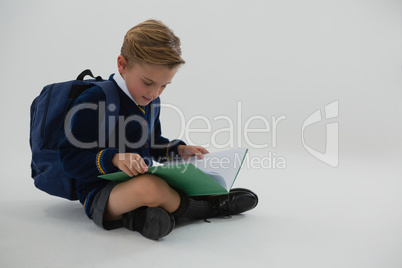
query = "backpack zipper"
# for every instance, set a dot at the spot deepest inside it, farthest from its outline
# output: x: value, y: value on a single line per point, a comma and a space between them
x: 42, y: 130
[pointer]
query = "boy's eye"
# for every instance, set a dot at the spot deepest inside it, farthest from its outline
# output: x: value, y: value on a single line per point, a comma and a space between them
x: 147, y: 83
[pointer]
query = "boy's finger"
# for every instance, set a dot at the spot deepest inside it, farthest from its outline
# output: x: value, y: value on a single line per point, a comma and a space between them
x: 134, y: 171
x: 127, y: 171
x: 202, y: 149
x: 197, y: 153
x: 144, y: 166
x: 135, y: 167
x: 140, y: 165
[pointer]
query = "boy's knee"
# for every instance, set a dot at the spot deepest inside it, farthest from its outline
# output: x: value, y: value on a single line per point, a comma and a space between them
x: 152, y: 190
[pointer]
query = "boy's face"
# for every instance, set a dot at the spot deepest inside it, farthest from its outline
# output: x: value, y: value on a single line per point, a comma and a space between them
x: 145, y: 81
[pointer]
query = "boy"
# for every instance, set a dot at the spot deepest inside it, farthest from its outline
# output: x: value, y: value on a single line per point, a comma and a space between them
x: 150, y: 57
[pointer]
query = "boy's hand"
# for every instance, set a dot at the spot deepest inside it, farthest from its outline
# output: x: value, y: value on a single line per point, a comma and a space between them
x: 131, y: 164
x: 186, y: 151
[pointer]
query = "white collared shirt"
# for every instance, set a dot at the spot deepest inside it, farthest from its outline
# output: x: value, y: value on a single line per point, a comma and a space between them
x: 122, y: 84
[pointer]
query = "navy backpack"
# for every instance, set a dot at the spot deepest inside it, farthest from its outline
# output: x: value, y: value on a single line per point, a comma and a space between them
x: 48, y: 113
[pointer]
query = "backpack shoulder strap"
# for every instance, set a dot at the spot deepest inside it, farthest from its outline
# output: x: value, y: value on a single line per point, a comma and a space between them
x: 112, y: 108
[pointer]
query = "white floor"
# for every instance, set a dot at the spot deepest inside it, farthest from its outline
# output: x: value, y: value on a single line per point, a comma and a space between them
x: 309, y: 215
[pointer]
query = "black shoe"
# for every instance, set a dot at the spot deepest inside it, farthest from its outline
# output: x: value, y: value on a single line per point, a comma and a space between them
x: 245, y: 190
x: 235, y: 202
x: 151, y: 222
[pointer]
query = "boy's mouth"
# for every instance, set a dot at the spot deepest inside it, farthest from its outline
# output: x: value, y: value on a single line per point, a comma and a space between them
x: 146, y: 99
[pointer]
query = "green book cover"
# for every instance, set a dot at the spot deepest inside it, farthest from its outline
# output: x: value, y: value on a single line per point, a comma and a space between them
x: 214, y: 174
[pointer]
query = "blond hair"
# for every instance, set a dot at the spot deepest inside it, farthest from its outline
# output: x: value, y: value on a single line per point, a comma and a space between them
x: 152, y: 42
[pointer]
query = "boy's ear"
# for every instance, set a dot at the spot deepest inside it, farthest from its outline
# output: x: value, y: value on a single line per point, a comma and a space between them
x: 121, y: 64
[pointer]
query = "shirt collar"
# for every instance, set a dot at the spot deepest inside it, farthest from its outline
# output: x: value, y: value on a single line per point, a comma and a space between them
x: 122, y: 84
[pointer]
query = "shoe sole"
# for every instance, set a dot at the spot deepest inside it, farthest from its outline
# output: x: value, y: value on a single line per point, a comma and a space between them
x: 156, y: 223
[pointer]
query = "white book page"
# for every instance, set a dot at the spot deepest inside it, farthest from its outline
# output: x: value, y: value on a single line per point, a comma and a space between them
x: 222, y: 165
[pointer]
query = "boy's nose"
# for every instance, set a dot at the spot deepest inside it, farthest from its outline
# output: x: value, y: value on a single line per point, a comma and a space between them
x: 154, y: 93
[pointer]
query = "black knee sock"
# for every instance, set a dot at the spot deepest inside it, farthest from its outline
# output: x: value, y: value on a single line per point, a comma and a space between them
x: 192, y: 209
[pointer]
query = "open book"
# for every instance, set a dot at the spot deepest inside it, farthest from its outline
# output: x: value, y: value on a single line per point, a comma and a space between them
x: 214, y: 174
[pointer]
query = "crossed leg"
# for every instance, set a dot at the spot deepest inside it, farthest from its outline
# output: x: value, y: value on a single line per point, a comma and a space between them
x: 145, y: 190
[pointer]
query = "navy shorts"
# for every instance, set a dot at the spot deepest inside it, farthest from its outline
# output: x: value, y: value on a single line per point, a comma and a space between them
x: 98, y: 207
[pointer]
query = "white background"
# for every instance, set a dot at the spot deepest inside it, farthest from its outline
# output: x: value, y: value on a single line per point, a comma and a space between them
x: 276, y: 58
